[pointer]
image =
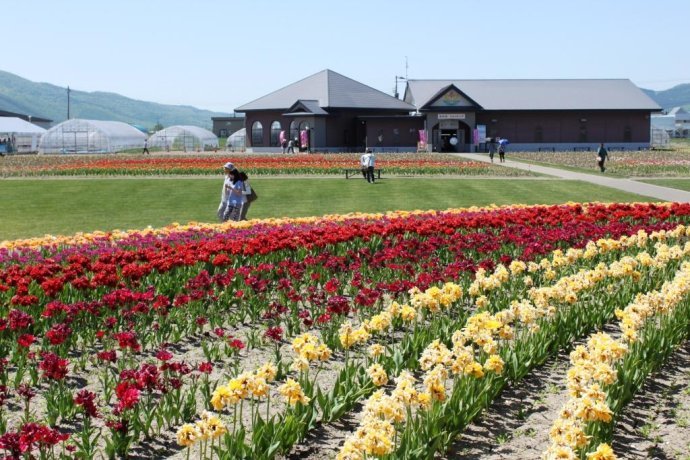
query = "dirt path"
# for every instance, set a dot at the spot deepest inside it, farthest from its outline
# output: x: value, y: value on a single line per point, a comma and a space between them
x: 325, y: 441
x: 517, y: 424
x: 656, y: 423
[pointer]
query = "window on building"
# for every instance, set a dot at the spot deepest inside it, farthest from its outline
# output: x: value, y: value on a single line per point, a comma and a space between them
x: 257, y: 133
x: 275, y: 133
x: 583, y: 134
x: 538, y: 134
x: 627, y: 134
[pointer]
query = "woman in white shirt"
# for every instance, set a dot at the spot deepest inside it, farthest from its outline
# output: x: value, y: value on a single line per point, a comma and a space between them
x: 227, y: 183
x: 234, y: 188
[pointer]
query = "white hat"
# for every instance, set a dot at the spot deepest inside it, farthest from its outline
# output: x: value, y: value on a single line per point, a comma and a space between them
x: 229, y: 166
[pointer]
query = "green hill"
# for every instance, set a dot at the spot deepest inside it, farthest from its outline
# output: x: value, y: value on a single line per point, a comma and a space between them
x: 44, y: 100
x: 49, y: 101
x: 678, y: 96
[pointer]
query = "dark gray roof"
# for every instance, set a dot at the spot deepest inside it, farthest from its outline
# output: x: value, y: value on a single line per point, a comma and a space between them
x: 301, y: 107
x: 4, y: 113
x: 330, y: 90
x: 613, y: 94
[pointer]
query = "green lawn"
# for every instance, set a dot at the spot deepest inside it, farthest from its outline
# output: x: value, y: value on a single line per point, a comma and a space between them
x: 610, y: 171
x: 35, y: 207
x: 680, y: 184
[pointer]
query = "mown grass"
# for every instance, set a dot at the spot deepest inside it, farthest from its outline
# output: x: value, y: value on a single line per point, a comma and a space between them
x: 680, y: 184
x: 35, y: 207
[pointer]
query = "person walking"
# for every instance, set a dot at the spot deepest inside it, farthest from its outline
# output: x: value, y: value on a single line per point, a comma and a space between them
x: 249, y: 195
x: 284, y: 145
x: 502, y: 149
x: 364, y: 163
x: 291, y: 146
x: 602, y: 155
x: 235, y: 196
x: 146, y: 147
x: 492, y: 148
x: 224, y: 193
x: 371, y: 162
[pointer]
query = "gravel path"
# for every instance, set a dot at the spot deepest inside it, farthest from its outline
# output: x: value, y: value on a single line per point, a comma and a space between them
x: 656, y: 424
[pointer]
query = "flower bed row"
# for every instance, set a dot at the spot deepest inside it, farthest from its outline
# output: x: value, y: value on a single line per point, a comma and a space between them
x: 607, y: 372
x: 654, y: 163
x: 492, y: 350
x: 211, y: 164
x: 100, y: 334
x: 440, y: 301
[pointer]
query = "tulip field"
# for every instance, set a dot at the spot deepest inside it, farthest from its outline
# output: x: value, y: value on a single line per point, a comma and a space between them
x: 674, y: 162
x: 407, y: 164
x: 374, y: 335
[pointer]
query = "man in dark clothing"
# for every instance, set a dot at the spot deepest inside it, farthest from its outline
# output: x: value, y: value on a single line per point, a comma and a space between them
x: 602, y: 154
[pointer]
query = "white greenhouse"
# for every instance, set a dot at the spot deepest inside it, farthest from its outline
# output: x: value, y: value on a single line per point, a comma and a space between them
x: 236, y: 141
x: 185, y: 138
x: 91, y: 136
x: 19, y: 136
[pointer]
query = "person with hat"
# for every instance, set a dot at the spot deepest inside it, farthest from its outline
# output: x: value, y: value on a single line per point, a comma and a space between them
x: 224, y: 194
x: 236, y: 198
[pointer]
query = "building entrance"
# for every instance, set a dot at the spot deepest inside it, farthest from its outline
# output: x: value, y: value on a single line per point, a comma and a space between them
x: 446, y: 139
x: 451, y: 140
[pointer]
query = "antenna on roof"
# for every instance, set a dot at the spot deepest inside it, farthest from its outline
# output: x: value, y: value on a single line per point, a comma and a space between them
x: 406, y: 66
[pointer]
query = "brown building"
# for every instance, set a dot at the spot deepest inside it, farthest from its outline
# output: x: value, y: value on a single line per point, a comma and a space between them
x: 533, y: 114
x: 225, y: 126
x: 330, y: 112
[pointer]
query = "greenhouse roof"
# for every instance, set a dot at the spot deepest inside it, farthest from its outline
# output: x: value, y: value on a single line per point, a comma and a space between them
x: 172, y: 134
x: 91, y: 136
x: 201, y: 133
x: 17, y: 125
x: 109, y: 128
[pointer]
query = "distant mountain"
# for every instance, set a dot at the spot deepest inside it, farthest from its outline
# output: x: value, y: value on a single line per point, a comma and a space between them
x: 678, y: 96
x: 49, y: 101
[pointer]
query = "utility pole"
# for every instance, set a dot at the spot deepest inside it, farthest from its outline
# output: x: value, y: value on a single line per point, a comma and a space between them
x: 395, y: 90
x: 397, y: 79
x: 68, y: 91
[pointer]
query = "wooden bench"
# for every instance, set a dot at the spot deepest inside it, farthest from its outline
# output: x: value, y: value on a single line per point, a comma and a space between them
x: 352, y: 172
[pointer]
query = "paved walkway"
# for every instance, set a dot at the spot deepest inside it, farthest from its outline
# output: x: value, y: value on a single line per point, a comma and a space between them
x: 626, y: 185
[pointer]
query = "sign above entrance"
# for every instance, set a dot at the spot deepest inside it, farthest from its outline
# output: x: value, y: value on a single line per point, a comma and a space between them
x: 452, y: 97
x: 451, y: 116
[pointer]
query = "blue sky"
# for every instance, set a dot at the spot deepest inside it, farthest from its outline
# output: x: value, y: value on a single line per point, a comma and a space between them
x: 218, y: 55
